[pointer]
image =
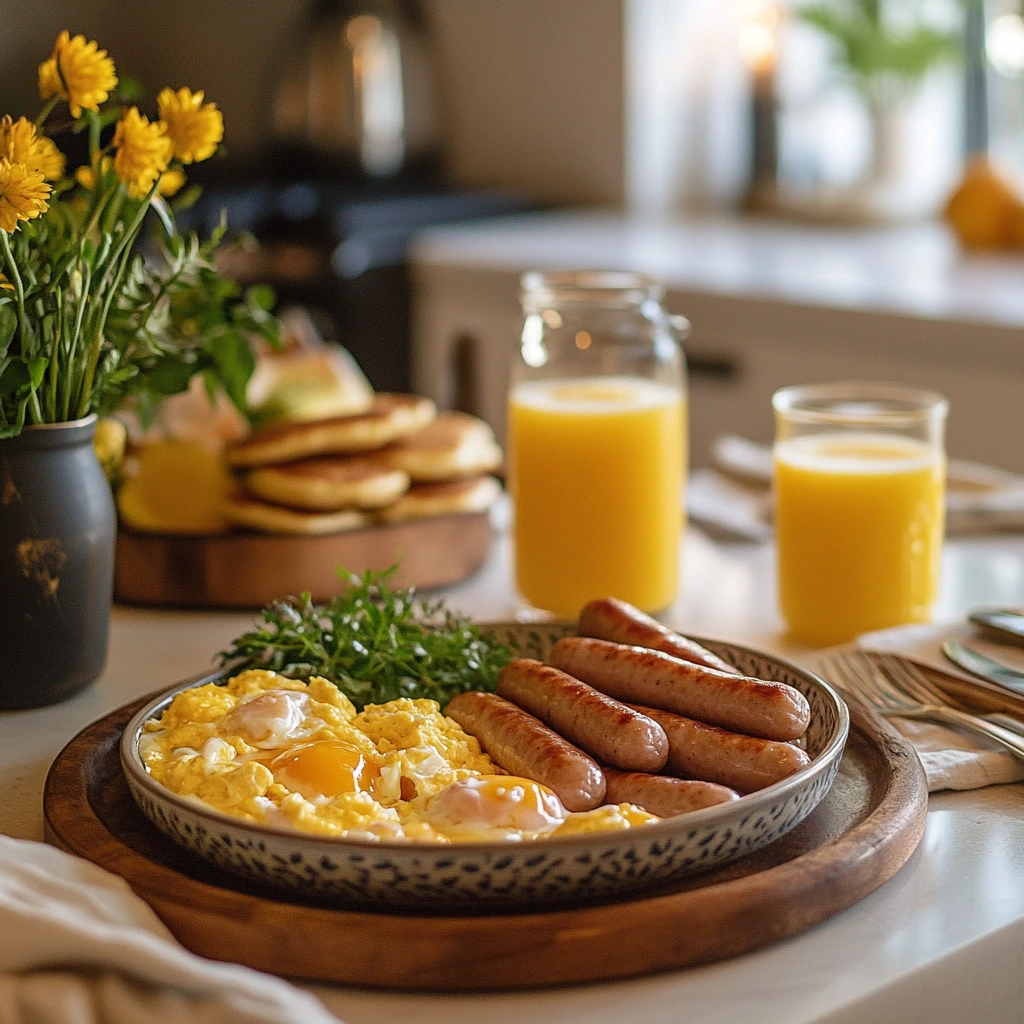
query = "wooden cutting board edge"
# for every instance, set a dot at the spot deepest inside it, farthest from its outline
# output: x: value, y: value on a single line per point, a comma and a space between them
x: 249, y: 570
x: 508, y: 951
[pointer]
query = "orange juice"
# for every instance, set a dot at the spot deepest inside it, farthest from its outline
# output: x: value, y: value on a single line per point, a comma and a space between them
x: 859, y: 521
x: 596, y: 469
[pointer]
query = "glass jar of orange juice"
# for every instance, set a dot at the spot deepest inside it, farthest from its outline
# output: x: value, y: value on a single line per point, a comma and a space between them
x: 859, y: 507
x: 597, y: 442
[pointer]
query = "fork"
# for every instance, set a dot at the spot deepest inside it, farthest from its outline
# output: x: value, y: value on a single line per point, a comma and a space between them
x: 897, y: 689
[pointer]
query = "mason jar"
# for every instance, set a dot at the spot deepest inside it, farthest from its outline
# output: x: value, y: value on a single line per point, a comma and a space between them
x: 597, y: 442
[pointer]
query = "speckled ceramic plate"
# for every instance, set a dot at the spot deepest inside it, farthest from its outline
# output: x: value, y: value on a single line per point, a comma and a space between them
x: 519, y: 874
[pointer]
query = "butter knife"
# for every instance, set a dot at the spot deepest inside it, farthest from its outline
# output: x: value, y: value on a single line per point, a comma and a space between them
x: 1006, y: 623
x: 983, y: 667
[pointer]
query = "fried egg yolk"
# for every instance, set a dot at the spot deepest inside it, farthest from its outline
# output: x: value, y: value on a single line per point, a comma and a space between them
x: 325, y: 769
x: 488, y: 802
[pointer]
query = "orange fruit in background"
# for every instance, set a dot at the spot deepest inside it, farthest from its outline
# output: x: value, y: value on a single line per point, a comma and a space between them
x: 985, y: 210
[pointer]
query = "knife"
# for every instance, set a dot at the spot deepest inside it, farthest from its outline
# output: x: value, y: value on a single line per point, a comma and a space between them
x: 983, y: 667
x: 1006, y: 622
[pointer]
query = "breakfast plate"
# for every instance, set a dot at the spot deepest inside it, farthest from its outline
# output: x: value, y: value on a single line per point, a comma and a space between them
x: 531, y: 874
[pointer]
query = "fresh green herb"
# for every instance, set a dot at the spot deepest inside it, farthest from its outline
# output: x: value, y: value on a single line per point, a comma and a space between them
x: 374, y: 643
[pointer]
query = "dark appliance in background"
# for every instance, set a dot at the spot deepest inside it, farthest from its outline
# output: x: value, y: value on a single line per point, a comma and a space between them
x: 353, y: 171
x: 339, y: 249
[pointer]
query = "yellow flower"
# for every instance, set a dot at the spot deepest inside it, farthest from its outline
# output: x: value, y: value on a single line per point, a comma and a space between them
x: 143, y: 152
x: 79, y: 72
x: 171, y: 182
x: 86, y: 176
x: 6, y: 285
x: 20, y: 144
x: 195, y: 127
x: 23, y: 194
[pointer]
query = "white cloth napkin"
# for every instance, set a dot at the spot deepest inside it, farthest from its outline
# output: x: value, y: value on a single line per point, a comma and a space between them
x: 78, y: 947
x: 951, y: 759
x: 734, y: 499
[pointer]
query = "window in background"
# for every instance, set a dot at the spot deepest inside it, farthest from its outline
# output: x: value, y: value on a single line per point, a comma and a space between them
x: 851, y: 143
x: 1004, y: 46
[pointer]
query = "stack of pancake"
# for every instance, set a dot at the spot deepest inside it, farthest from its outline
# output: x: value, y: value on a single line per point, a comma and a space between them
x: 397, y: 461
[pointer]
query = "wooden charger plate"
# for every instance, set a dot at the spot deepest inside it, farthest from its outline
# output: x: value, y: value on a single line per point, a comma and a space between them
x: 861, y: 834
x: 249, y: 570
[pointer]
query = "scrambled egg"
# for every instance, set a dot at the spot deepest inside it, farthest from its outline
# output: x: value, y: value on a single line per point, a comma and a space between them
x: 277, y: 751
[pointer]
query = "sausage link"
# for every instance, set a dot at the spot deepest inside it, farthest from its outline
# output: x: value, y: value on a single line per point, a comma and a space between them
x: 745, y: 763
x: 662, y: 795
x: 635, y: 675
x: 611, y: 732
x: 524, y: 746
x: 612, y: 619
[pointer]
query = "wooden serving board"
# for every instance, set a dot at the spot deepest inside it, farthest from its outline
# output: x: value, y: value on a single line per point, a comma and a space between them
x: 858, y: 838
x: 249, y: 570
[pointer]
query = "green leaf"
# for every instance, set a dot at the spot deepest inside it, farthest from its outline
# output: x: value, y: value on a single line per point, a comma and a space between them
x: 129, y: 88
x: 169, y: 376
x: 8, y: 325
x: 37, y: 370
x: 233, y: 357
x: 262, y: 296
x: 14, y: 379
x: 187, y: 198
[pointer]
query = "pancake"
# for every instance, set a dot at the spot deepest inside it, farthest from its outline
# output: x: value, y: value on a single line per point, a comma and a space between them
x: 390, y: 418
x: 265, y: 518
x: 422, y: 501
x: 452, y: 445
x: 327, y: 483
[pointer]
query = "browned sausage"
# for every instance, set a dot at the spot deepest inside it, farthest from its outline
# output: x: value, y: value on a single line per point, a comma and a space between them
x: 662, y: 795
x: 635, y: 675
x: 611, y: 732
x: 526, y: 747
x: 612, y: 619
x: 699, y: 751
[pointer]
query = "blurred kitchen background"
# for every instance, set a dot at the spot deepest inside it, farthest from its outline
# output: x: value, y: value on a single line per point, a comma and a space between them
x: 785, y: 167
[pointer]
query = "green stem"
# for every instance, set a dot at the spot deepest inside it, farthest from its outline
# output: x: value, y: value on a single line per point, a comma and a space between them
x: 120, y: 258
x: 54, y: 367
x: 19, y: 287
x: 37, y: 413
x: 46, y: 111
x: 100, y: 203
x: 94, y: 138
x: 76, y: 335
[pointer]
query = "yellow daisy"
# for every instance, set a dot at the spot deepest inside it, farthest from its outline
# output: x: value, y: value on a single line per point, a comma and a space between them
x: 23, y: 194
x: 6, y: 285
x: 20, y: 144
x: 86, y: 176
x: 79, y: 72
x: 171, y: 182
x: 196, y: 128
x: 143, y: 152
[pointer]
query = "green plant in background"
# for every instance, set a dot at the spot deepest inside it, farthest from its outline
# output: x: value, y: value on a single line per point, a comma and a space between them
x: 87, y: 322
x: 884, y: 47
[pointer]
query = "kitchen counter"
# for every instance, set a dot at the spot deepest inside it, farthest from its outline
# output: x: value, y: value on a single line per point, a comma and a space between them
x: 772, y: 303
x: 940, y: 943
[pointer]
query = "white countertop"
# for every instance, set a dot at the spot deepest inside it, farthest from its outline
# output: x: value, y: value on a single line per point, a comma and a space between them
x: 916, y: 270
x: 942, y: 942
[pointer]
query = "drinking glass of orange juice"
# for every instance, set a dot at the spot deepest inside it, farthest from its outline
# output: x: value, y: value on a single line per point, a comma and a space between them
x: 859, y: 507
x: 597, y: 442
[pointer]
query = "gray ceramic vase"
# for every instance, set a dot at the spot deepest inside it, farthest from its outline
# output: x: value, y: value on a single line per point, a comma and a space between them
x: 57, y: 531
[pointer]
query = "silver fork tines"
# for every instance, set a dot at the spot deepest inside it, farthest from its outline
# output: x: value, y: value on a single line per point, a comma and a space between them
x: 897, y: 688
